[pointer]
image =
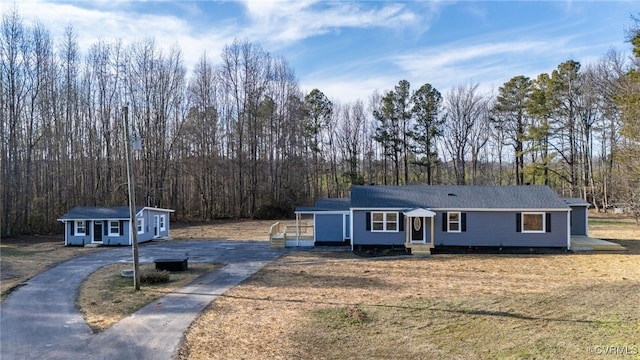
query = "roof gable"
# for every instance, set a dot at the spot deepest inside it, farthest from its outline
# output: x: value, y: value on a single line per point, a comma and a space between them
x: 456, y: 197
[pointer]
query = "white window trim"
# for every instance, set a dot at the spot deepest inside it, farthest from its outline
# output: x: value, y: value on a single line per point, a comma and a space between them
x: 111, y: 233
x: 141, y: 229
x: 163, y: 225
x: 544, y: 222
x: 459, y: 222
x: 385, y: 221
x: 77, y: 227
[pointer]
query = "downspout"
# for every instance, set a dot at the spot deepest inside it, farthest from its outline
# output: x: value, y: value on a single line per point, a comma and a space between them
x: 569, y: 230
x: 433, y: 234
x: 297, y: 231
x: 586, y: 221
x: 351, y: 227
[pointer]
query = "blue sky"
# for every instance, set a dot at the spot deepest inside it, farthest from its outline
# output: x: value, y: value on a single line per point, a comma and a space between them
x: 349, y: 49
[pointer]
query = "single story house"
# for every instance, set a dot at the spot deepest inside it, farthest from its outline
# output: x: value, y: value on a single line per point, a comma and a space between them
x: 422, y: 217
x: 111, y: 225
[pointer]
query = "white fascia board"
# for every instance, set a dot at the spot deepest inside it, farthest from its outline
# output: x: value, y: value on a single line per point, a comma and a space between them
x: 379, y: 209
x: 157, y: 209
x: 501, y: 210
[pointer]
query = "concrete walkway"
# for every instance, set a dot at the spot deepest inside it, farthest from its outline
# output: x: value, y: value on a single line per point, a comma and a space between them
x: 585, y: 243
x: 40, y: 320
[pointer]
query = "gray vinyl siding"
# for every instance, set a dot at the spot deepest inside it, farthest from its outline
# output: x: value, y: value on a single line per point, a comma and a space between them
x: 579, y: 220
x: 120, y: 239
x: 363, y: 237
x: 499, y: 229
x: 483, y: 228
x: 89, y: 237
x: 329, y: 227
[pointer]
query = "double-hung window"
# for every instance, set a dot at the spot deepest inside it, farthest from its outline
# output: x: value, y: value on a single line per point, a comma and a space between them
x: 533, y: 222
x: 455, y: 220
x: 81, y: 227
x: 114, y: 228
x: 140, y: 225
x: 384, y: 221
x: 162, y: 228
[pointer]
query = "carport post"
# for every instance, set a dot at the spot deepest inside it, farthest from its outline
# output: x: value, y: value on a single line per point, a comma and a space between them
x: 133, y: 228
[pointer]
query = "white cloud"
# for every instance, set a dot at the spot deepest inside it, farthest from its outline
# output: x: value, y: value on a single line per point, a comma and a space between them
x: 121, y: 20
x: 286, y: 22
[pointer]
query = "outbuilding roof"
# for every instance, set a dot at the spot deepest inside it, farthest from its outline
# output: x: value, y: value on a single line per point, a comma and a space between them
x: 456, y: 197
x: 101, y: 213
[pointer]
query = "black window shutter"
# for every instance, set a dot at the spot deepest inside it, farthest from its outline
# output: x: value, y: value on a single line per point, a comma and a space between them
x: 121, y: 227
x: 548, y: 222
x: 518, y: 222
x: 105, y: 228
x: 72, y: 228
x: 368, y: 220
x: 445, y: 218
x: 87, y: 228
x: 464, y: 221
x: 401, y: 222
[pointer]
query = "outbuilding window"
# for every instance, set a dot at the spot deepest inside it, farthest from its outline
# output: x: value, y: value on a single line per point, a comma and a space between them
x: 162, y: 227
x: 114, y: 228
x: 140, y: 225
x: 81, y: 227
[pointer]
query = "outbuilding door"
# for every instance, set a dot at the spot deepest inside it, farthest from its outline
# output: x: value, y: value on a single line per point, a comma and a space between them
x: 97, y: 231
x: 156, y: 226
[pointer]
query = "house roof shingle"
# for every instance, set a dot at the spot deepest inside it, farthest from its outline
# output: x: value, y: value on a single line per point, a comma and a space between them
x: 327, y: 205
x: 456, y: 197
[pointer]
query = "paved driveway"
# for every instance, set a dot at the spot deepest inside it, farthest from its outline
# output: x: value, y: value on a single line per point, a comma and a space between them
x: 40, y: 320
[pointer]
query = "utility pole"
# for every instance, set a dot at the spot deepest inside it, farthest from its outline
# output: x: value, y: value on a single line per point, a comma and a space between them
x: 133, y: 224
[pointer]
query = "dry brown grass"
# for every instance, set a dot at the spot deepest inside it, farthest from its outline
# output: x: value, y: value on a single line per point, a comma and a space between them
x: 105, y: 297
x: 311, y: 305
x: 25, y: 257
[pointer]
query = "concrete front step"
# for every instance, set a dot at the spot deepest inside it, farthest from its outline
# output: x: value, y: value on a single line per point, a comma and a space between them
x: 419, y: 249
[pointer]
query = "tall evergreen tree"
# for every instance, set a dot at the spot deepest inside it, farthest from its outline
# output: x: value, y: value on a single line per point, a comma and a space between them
x: 427, y: 101
x: 511, y: 116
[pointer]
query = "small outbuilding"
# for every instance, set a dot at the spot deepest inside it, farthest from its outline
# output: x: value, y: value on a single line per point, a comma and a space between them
x: 110, y: 225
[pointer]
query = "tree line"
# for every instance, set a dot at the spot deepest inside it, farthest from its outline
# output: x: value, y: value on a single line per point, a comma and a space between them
x: 237, y: 137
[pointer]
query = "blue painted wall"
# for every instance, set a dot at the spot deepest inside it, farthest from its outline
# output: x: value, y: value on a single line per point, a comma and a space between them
x: 90, y: 236
x: 579, y: 220
x: 499, y: 229
x: 149, y: 227
x: 482, y: 229
x: 363, y: 237
x: 329, y: 227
